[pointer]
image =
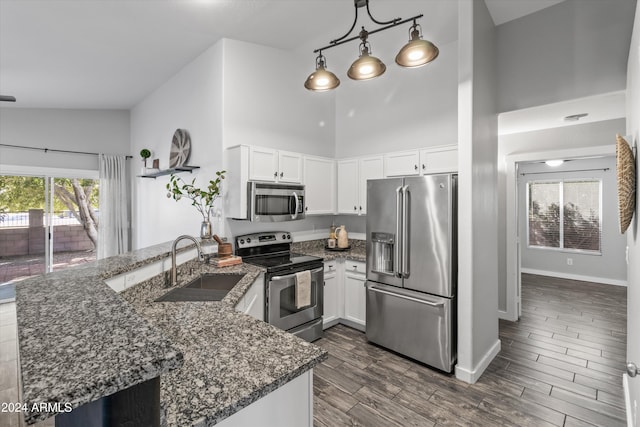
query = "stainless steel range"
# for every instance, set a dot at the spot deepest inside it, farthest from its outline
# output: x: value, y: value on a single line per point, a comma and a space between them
x: 293, y: 282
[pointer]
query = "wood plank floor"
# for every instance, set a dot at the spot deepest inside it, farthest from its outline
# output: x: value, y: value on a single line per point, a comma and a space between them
x: 561, y: 364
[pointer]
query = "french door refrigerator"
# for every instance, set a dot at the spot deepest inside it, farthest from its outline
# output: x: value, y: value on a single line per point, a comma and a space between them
x: 412, y: 267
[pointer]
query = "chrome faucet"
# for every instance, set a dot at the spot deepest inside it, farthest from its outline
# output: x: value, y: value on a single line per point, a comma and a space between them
x: 174, y: 269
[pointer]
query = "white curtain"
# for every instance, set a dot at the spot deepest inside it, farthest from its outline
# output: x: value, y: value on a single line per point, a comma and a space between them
x: 113, y: 226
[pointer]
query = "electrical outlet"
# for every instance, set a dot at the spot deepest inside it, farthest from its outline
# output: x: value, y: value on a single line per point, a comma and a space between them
x: 569, y: 261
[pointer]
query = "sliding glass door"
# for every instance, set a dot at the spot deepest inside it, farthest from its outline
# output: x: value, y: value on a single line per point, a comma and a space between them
x: 47, y: 224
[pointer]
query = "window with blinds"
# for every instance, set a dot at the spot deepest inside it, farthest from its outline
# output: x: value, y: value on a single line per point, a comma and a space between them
x: 565, y: 214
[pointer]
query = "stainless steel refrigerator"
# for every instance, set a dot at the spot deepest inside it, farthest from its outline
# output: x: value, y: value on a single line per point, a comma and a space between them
x: 412, y: 267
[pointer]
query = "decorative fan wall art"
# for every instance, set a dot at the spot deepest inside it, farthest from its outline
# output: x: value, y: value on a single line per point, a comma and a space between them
x: 626, y: 171
x: 180, y: 148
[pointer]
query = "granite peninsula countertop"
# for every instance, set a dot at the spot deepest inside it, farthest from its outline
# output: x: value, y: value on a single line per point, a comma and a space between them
x: 230, y: 359
x: 79, y: 340
x: 317, y: 248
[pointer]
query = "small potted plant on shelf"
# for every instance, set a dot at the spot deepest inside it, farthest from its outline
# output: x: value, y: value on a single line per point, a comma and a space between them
x: 202, y: 199
x: 145, y: 154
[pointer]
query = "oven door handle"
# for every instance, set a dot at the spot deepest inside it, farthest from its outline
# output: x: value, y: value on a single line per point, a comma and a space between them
x: 289, y: 276
x: 295, y: 213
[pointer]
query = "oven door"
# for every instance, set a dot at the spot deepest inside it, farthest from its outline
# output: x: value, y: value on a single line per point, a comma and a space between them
x: 281, y: 300
x: 275, y: 202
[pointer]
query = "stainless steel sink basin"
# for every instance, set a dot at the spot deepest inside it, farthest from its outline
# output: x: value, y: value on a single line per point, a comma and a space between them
x: 206, y: 287
x: 216, y: 281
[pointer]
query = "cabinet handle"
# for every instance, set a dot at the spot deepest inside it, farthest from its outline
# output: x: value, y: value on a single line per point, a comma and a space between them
x: 281, y: 174
x: 306, y: 208
x: 275, y: 174
x: 415, y: 167
x: 355, y: 208
x: 423, y: 166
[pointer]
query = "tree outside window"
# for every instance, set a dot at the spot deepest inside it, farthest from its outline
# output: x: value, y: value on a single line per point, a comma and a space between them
x: 565, y: 214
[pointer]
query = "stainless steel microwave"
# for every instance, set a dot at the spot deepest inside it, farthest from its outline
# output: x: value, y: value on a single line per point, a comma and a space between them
x: 270, y: 202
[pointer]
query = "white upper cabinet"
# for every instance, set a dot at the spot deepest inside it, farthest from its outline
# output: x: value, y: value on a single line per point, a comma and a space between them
x: 352, y: 182
x: 266, y: 164
x: 369, y: 168
x: 348, y: 186
x: 289, y: 167
x: 403, y: 163
x: 320, y: 185
x: 439, y: 159
x: 263, y: 164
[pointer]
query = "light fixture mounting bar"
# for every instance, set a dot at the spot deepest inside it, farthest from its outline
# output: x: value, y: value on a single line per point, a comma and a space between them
x: 395, y: 23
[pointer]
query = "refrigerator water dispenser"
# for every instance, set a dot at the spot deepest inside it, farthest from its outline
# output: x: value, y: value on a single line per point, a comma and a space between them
x: 383, y: 252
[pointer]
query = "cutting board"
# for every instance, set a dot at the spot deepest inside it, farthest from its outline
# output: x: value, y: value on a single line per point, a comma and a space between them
x: 225, y: 262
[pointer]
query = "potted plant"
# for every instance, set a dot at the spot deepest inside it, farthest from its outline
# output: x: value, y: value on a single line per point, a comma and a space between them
x: 202, y: 199
x: 145, y: 154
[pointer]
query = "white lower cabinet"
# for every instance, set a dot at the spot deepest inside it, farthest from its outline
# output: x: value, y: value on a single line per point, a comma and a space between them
x: 355, y: 294
x: 289, y: 405
x: 331, y: 301
x: 344, y: 294
x: 252, y: 302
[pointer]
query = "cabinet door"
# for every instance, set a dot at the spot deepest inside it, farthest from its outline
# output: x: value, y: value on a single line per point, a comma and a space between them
x: 331, y: 301
x: 402, y: 163
x: 439, y: 160
x: 320, y: 185
x: 355, y: 298
x: 263, y: 164
x: 254, y: 299
x: 348, y: 186
x: 289, y: 167
x: 370, y: 168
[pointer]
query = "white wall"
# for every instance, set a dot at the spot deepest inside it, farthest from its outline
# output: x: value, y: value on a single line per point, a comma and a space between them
x: 234, y: 93
x: 402, y: 109
x: 98, y: 131
x: 266, y: 104
x: 607, y: 267
x: 633, y: 233
x: 568, y: 137
x: 192, y: 100
x: 570, y: 50
x: 478, y: 341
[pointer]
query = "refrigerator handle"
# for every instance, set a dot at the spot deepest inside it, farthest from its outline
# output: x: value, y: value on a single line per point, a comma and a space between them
x: 397, y: 256
x: 405, y: 231
x: 393, y: 294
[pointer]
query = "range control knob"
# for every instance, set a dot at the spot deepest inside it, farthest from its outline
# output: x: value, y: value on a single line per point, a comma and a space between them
x: 288, y: 236
x: 248, y: 239
x: 242, y: 241
x: 284, y: 236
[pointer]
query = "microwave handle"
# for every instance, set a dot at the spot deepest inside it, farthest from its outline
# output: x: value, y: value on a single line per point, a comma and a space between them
x: 295, y: 213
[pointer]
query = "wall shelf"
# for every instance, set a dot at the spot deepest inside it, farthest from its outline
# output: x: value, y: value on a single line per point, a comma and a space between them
x: 183, y: 168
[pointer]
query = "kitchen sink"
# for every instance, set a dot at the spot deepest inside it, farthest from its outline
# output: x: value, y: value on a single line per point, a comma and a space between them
x: 215, y: 281
x: 206, y: 287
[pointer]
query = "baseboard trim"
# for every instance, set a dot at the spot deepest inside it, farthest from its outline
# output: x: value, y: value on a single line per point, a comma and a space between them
x: 602, y: 280
x: 504, y: 315
x: 471, y: 376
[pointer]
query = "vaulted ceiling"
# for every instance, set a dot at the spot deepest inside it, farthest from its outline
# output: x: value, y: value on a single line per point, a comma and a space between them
x: 111, y: 53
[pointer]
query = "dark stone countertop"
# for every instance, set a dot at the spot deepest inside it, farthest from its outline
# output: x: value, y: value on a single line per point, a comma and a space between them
x: 357, y: 252
x: 79, y: 341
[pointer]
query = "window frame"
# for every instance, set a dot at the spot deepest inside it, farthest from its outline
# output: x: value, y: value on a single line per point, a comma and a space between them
x: 560, y: 182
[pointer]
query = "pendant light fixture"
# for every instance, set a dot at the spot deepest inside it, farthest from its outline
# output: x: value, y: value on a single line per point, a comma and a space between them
x: 416, y: 53
x: 321, y: 80
x: 366, y: 66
